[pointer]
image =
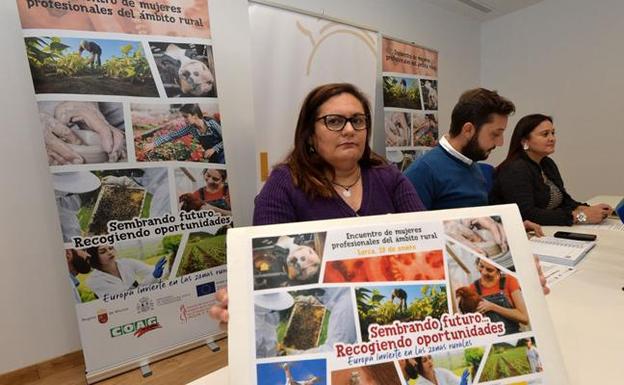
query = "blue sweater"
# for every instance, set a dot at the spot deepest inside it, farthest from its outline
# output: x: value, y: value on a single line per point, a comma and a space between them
x: 445, y: 182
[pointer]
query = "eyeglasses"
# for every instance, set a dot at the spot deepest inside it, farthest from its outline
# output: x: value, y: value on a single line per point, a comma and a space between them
x: 338, y: 122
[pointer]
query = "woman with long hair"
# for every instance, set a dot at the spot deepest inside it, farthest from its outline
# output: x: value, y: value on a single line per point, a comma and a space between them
x: 531, y: 179
x: 331, y: 172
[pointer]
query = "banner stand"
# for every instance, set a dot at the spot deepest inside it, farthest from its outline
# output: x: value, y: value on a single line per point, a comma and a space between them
x: 99, y: 375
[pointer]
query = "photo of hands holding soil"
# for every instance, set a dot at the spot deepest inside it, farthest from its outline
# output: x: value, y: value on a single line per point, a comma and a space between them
x: 62, y: 65
x: 83, y: 132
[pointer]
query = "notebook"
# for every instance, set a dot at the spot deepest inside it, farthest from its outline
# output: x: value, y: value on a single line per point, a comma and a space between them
x: 560, y: 251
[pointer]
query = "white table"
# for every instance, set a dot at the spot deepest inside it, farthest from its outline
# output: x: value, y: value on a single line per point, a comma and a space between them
x: 587, y: 310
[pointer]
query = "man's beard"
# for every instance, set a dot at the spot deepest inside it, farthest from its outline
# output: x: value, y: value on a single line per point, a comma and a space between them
x: 472, y: 150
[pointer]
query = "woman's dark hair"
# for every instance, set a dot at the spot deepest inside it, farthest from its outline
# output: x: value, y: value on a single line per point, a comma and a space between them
x: 94, y: 257
x: 419, y: 365
x: 306, y: 166
x: 411, y: 370
x: 192, y: 109
x: 476, y: 106
x: 523, y: 129
x: 223, y: 173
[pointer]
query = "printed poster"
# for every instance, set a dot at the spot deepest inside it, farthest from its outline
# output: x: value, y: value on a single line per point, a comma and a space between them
x: 410, y: 97
x: 447, y: 297
x: 129, y: 109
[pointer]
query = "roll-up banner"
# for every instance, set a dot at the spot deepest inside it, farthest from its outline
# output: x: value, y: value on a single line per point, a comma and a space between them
x: 410, y: 99
x: 128, y: 102
x: 295, y: 52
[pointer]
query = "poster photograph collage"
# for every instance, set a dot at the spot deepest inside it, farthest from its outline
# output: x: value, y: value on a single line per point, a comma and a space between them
x: 314, y: 299
x: 410, y: 116
x: 132, y: 128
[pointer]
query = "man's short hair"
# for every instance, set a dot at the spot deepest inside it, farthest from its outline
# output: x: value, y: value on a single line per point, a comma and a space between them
x: 476, y: 106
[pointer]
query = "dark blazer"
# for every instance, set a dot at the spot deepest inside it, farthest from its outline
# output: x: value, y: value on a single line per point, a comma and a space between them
x: 521, y: 182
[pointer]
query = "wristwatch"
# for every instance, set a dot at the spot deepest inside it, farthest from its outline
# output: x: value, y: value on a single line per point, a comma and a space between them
x: 581, y: 217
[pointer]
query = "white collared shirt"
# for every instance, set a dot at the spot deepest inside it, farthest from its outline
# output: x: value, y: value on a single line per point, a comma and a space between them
x: 451, y: 150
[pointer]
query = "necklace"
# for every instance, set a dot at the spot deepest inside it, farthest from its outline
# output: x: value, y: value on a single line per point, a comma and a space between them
x: 347, y: 188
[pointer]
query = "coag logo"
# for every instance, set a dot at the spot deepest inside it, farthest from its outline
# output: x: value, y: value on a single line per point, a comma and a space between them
x: 138, y: 328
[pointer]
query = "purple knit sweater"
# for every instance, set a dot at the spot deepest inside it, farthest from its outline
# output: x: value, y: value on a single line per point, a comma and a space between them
x: 385, y: 191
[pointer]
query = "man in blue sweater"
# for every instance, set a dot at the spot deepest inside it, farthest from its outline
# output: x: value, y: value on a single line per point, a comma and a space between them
x: 448, y: 175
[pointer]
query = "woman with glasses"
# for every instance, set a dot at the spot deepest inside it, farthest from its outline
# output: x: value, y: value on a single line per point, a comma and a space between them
x: 332, y: 171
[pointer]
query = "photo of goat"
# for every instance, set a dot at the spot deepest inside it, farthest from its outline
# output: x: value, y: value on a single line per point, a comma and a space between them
x: 287, y: 260
x: 186, y: 70
x: 429, y: 93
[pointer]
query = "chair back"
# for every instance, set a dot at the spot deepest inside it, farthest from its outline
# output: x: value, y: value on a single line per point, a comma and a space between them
x: 488, y: 173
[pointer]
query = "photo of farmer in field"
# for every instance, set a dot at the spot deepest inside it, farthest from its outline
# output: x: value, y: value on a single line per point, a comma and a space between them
x: 401, y: 92
x: 303, y: 321
x: 61, y: 65
x: 203, y: 251
x: 186, y: 70
x: 383, y: 305
x: 188, y: 132
x: 83, y: 132
x: 203, y: 189
x: 88, y: 200
x: 289, y: 260
x: 511, y: 359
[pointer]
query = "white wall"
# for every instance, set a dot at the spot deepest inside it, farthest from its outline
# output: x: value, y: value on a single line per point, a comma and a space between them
x: 456, y: 37
x: 38, y: 319
x: 565, y: 58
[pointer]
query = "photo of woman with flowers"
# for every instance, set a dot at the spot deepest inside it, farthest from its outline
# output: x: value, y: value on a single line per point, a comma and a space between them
x: 188, y: 132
